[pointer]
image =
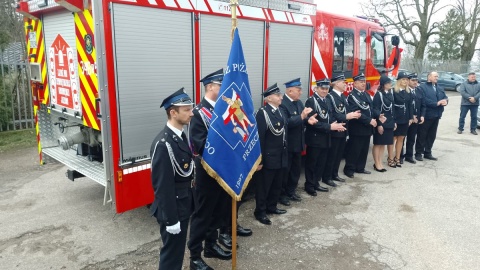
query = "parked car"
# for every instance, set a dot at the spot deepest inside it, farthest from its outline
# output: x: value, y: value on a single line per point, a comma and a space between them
x: 478, y: 117
x: 404, y: 70
x: 465, y: 75
x: 447, y: 80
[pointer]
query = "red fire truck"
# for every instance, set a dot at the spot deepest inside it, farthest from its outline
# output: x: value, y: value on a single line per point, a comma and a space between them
x: 348, y: 45
x: 99, y: 70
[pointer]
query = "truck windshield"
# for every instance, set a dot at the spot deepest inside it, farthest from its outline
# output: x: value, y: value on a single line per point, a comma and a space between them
x: 377, y: 50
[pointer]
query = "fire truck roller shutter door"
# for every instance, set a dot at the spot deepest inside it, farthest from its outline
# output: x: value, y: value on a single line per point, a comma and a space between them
x: 153, y: 55
x: 215, y: 43
x: 62, y: 63
x: 290, y: 53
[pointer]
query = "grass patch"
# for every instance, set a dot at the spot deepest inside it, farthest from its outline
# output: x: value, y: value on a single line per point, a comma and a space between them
x: 13, y: 140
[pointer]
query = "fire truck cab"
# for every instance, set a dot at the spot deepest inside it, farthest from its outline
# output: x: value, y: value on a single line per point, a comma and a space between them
x: 349, y: 46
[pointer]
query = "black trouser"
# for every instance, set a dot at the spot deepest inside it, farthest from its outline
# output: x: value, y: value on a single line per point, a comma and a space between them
x: 315, y: 162
x: 269, y: 185
x: 409, y: 142
x: 228, y: 217
x: 357, y: 154
x: 210, y: 211
x: 292, y: 173
x: 173, y: 249
x: 426, y: 134
x: 335, y: 155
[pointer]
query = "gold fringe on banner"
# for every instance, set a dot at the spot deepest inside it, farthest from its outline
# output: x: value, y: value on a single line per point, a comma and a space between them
x: 224, y: 185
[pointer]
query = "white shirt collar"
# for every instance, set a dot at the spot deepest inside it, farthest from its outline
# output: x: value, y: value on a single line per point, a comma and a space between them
x: 338, y: 92
x: 275, y: 108
x: 177, y: 131
x: 288, y: 97
x: 210, y: 101
x: 321, y: 98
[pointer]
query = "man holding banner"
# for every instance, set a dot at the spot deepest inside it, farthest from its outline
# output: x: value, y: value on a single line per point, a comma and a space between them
x: 231, y: 152
x: 210, y: 198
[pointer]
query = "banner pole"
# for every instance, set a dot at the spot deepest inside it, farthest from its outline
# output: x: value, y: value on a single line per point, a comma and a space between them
x: 234, y: 234
x: 233, y: 10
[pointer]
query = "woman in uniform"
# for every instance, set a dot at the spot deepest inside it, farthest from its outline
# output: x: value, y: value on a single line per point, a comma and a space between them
x: 383, y: 133
x: 403, y: 112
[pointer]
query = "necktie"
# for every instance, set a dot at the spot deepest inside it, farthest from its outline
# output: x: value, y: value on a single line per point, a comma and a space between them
x: 364, y: 95
x: 277, y: 112
x: 296, y: 105
x: 435, y: 88
x: 184, y: 137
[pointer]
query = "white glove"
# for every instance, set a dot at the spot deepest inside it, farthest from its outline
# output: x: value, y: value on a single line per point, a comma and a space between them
x: 174, y: 229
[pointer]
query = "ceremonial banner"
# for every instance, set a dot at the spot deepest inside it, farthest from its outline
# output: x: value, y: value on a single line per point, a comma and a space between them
x: 232, y: 151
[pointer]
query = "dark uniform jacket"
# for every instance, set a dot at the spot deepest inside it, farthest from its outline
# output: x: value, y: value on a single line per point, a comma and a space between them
x: 360, y: 126
x: 318, y: 135
x: 383, y: 103
x: 273, y: 147
x: 296, y: 126
x: 403, y: 106
x: 199, y: 127
x: 418, y: 102
x: 173, y: 193
x: 338, y: 105
x: 431, y: 97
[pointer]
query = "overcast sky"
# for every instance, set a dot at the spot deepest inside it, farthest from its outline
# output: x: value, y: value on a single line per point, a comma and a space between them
x: 344, y: 7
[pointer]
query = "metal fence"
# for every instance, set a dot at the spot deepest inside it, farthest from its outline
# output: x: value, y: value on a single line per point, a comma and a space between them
x: 455, y: 66
x: 16, y: 108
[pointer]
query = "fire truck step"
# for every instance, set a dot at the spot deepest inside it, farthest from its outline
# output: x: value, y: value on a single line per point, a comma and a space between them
x: 91, y: 169
x: 72, y: 175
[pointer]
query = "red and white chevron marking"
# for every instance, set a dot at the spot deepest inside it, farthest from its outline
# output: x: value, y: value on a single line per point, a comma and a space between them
x: 218, y: 7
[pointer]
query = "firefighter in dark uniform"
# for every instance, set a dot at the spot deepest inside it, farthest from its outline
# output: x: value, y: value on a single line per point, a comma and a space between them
x: 360, y: 130
x: 210, y: 198
x: 272, y: 134
x: 297, y: 116
x: 172, y: 175
x: 338, y: 104
x: 418, y: 105
x: 317, y: 138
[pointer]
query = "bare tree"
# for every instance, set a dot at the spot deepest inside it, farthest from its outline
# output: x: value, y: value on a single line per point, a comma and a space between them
x: 469, y: 21
x: 413, y: 19
x: 11, y: 27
